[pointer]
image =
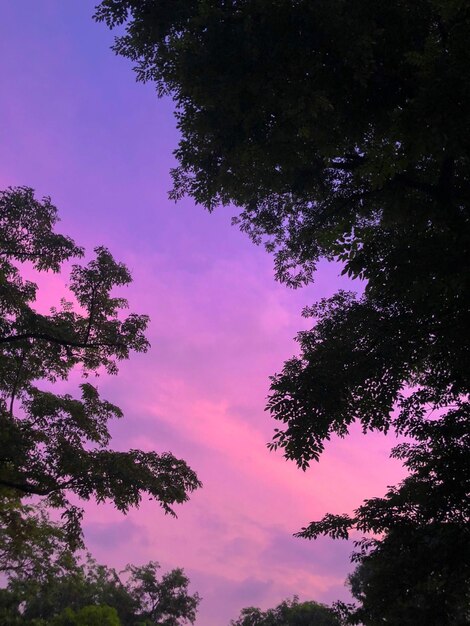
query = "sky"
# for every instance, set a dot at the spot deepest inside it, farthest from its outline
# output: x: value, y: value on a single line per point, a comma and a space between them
x: 75, y: 125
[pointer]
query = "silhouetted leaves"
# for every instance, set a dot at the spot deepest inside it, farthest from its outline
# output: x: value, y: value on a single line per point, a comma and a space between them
x: 63, y: 591
x: 339, y: 129
x: 288, y: 613
x: 55, y: 443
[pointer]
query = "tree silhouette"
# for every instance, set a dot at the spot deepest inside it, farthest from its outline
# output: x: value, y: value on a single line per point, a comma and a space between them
x: 339, y: 130
x: 53, y: 444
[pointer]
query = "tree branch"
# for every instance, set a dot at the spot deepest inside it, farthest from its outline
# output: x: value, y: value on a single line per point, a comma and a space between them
x: 17, y: 380
x: 32, y: 489
x: 27, y: 488
x: 67, y: 343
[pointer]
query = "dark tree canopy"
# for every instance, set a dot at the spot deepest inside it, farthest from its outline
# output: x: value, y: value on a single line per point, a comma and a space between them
x: 288, y: 613
x: 340, y: 129
x: 27, y: 538
x: 57, y: 443
x: 164, y: 601
x: 416, y: 575
x: 418, y: 572
x: 64, y: 590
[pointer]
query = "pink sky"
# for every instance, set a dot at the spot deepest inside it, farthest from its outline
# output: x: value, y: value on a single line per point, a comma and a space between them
x: 75, y: 126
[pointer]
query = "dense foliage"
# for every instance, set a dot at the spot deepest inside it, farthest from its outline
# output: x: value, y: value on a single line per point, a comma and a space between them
x: 63, y: 591
x: 27, y: 537
x: 288, y: 613
x: 418, y: 572
x: 339, y: 128
x: 53, y: 443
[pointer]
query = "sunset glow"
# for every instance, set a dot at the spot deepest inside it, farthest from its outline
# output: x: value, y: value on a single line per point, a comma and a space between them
x: 75, y: 126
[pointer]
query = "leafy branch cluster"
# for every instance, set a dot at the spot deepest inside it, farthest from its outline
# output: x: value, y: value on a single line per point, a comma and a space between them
x: 63, y: 590
x: 54, y: 444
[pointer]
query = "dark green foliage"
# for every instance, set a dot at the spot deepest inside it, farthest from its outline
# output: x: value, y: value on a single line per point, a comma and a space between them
x: 62, y: 591
x: 88, y: 616
x: 419, y: 571
x: 339, y: 129
x: 288, y: 613
x: 27, y: 538
x: 416, y: 575
x: 329, y: 122
x: 51, y: 443
x: 165, y: 601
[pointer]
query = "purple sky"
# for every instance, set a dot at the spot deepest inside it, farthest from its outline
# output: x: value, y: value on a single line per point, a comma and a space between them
x: 74, y: 125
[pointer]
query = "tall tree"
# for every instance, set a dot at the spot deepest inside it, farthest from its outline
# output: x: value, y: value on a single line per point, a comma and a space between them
x: 339, y: 129
x: 52, y: 443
